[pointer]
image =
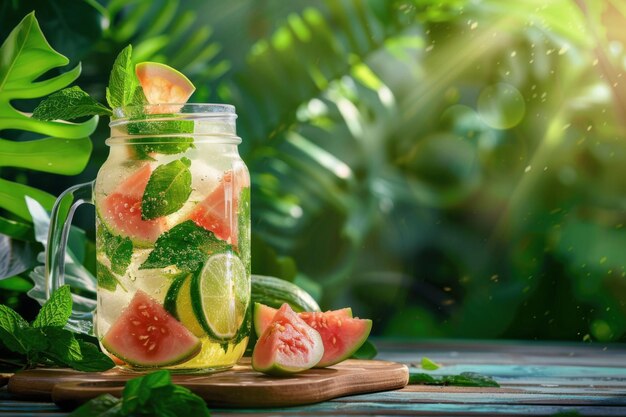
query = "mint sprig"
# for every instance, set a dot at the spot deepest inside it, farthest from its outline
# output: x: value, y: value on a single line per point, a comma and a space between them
x: 72, y: 103
x: 150, y: 395
x: 186, y: 245
x: 68, y: 104
x: 124, y: 88
x: 45, y: 341
x: 167, y: 190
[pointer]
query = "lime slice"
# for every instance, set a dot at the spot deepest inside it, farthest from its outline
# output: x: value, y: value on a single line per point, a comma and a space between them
x: 220, y: 294
x: 178, y: 303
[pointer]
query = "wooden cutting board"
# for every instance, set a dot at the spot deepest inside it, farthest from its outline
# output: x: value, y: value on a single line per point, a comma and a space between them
x: 238, y: 387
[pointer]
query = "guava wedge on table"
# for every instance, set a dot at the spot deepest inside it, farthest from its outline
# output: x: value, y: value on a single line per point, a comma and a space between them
x: 341, y: 334
x: 287, y: 346
x: 145, y: 335
x: 121, y: 210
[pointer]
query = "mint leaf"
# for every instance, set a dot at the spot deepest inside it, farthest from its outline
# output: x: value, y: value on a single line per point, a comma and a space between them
x: 419, y: 378
x: 160, y: 127
x: 104, y: 405
x: 465, y: 379
x: 106, y: 279
x: 186, y: 245
x: 64, y: 349
x: 168, y: 188
x: 429, y: 365
x: 34, y: 339
x: 119, y: 250
x: 68, y: 104
x: 155, y: 395
x: 138, y: 391
x: 175, y: 400
x: 92, y: 360
x: 168, y: 145
x: 10, y: 325
x: 124, y: 88
x: 57, y: 310
x: 470, y: 379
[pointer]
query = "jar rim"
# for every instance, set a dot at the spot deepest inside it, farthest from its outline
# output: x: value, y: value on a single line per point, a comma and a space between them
x: 122, y: 115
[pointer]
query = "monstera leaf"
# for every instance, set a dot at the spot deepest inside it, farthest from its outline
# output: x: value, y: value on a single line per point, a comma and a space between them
x: 63, y: 148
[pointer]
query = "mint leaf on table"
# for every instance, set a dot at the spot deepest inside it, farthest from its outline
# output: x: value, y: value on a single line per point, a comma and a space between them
x: 46, y: 341
x: 104, y: 405
x: 186, y: 245
x: 119, y: 250
x: 138, y: 391
x: 106, y: 279
x: 429, y: 365
x: 57, y: 310
x: 155, y: 395
x: 68, y: 104
x: 167, y: 190
x: 150, y: 395
x: 10, y: 325
x: 124, y: 88
x: 465, y: 379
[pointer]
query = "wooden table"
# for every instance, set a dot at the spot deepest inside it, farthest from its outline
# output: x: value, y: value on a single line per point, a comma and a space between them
x: 536, y: 379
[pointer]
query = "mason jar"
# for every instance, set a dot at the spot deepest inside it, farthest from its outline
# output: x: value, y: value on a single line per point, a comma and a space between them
x: 172, y: 239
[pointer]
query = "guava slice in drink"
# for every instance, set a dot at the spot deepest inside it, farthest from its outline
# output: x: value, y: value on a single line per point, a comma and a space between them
x: 218, y: 211
x: 162, y: 84
x: 341, y: 334
x: 287, y: 346
x: 121, y: 210
x: 146, y: 335
x: 263, y: 316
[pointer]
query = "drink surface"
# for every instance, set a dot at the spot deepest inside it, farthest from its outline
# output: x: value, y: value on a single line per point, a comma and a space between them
x: 173, y: 250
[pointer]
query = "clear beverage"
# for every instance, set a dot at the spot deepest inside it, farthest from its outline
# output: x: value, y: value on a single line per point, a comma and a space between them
x: 173, y: 225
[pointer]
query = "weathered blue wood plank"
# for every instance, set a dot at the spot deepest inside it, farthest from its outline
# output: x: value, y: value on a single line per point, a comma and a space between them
x: 492, y: 396
x: 534, y: 371
x: 373, y: 408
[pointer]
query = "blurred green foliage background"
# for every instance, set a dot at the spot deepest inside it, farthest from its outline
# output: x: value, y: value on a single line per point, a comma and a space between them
x: 448, y: 168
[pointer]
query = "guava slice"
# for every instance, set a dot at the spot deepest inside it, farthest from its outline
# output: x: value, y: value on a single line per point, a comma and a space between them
x: 218, y: 211
x: 341, y: 334
x: 162, y: 84
x: 263, y: 316
x: 121, y: 210
x: 145, y: 335
x: 288, y: 345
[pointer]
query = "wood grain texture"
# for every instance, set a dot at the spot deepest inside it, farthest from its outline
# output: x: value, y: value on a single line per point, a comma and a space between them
x: 238, y: 387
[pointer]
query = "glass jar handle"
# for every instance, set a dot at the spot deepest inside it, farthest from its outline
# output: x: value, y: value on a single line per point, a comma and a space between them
x: 60, y: 222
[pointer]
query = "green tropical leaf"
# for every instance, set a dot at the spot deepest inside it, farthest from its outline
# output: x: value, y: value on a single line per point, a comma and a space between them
x: 26, y: 57
x: 160, y: 31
